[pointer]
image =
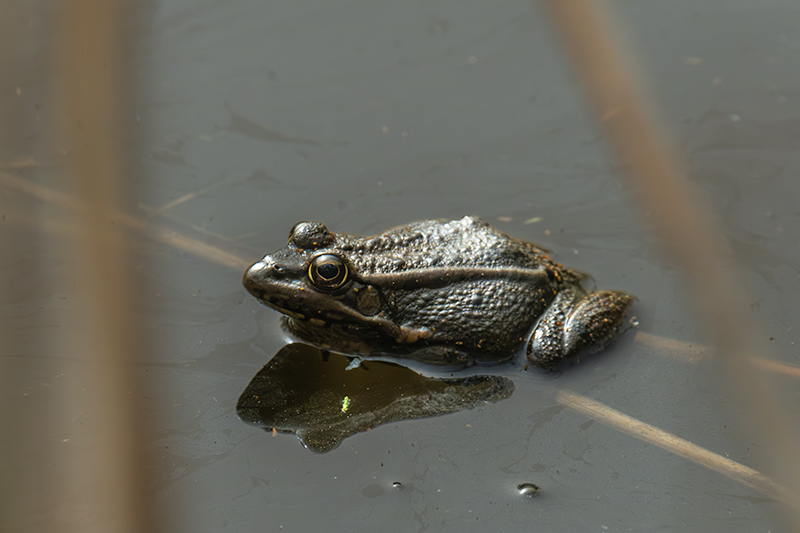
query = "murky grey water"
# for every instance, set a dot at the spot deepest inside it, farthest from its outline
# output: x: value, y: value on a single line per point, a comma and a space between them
x: 364, y: 116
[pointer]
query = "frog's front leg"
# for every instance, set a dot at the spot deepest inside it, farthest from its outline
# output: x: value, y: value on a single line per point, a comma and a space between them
x: 575, y: 322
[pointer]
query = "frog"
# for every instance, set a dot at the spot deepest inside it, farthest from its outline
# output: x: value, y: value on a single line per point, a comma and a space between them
x: 442, y: 292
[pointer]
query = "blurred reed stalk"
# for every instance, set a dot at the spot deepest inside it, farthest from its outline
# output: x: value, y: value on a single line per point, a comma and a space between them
x: 106, y: 482
x: 690, y: 237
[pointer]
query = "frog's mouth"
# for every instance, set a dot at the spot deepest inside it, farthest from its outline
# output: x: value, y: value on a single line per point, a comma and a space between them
x: 319, y: 321
x: 271, y: 302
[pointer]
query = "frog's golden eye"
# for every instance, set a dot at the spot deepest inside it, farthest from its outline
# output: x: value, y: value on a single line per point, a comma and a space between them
x: 327, y: 272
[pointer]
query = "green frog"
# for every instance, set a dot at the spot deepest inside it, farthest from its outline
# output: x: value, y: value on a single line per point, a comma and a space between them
x: 445, y: 292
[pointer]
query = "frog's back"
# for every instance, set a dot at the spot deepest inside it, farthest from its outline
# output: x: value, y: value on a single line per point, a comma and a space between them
x: 439, y: 243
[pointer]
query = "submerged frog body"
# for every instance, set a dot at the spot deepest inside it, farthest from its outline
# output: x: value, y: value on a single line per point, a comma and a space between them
x: 446, y: 292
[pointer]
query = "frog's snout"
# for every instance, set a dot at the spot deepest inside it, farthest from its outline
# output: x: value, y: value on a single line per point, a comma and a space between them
x: 260, y: 274
x: 253, y: 276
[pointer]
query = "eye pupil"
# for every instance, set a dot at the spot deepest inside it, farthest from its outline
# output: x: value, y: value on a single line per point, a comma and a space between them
x: 327, y: 272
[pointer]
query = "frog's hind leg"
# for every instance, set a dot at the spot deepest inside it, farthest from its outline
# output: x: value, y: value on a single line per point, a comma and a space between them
x: 576, y: 322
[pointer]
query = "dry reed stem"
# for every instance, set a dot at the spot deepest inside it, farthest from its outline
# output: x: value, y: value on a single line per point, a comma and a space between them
x: 692, y: 352
x: 686, y: 351
x: 166, y: 236
x: 672, y: 443
x: 186, y: 197
x: 105, y: 482
x: 774, y: 366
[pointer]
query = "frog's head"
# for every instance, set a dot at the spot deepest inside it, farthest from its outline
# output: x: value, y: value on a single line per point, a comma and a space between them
x: 313, y: 280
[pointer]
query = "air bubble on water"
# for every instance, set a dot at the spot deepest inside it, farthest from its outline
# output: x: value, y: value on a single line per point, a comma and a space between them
x: 528, y: 489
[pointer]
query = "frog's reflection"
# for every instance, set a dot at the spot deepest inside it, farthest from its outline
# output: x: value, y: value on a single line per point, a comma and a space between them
x: 309, y: 392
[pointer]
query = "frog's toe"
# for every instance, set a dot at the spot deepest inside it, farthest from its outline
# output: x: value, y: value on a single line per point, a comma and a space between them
x: 595, y: 321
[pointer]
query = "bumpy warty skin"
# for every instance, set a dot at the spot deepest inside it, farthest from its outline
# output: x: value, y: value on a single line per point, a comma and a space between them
x: 460, y: 290
x: 467, y: 242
